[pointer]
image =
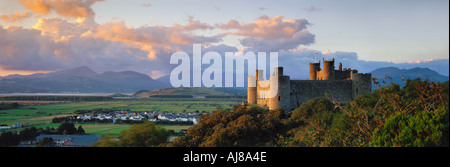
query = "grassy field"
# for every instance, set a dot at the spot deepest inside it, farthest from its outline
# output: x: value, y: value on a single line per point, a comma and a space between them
x: 42, y: 115
x: 105, y: 129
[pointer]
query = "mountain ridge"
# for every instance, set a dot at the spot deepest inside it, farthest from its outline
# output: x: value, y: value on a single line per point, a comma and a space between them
x: 85, y: 80
x: 81, y: 80
x: 397, y: 75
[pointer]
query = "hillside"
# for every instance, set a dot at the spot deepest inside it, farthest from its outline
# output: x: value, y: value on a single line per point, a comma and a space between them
x: 80, y: 80
x: 397, y: 75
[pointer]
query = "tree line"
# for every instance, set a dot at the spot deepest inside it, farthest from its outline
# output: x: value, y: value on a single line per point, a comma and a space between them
x: 7, y: 106
x: 13, y: 138
x: 74, y: 119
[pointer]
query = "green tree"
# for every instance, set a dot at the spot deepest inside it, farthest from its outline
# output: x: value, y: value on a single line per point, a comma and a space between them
x: 425, y: 129
x: 143, y: 135
x: 80, y: 130
x: 66, y: 129
x: 107, y: 141
x: 28, y: 133
x: 243, y: 126
x: 45, y: 142
x: 390, y: 105
x: 315, y: 123
x: 9, y: 139
x: 139, y: 135
x: 317, y: 110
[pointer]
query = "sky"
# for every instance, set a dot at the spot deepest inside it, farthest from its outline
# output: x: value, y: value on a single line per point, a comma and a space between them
x: 141, y: 35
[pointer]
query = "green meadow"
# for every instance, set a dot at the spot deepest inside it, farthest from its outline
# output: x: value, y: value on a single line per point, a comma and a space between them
x: 41, y: 115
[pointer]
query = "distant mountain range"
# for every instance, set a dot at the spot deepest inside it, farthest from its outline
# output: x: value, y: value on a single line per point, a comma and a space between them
x: 397, y: 75
x: 85, y: 80
x: 79, y: 80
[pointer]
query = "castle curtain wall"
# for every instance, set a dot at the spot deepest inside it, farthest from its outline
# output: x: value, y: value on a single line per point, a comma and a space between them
x: 304, y: 90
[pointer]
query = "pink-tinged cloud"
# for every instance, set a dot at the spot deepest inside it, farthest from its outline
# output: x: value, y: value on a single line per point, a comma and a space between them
x: 15, y: 17
x: 146, y: 5
x: 150, y: 38
x: 60, y: 30
x: 268, y: 27
x: 55, y: 43
x: 272, y: 33
x: 194, y: 25
x: 65, y: 8
x: 25, y: 49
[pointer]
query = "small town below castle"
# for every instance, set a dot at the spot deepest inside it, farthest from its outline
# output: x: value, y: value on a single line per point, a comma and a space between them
x: 139, y: 116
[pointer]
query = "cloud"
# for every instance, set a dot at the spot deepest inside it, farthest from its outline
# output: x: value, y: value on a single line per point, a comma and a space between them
x: 146, y: 5
x: 312, y: 9
x: 15, y: 17
x: 194, y: 25
x: 295, y: 62
x: 60, y: 30
x: 65, y: 8
x: 25, y: 49
x: 268, y: 27
x: 422, y: 61
x: 55, y: 43
x: 272, y: 33
x: 43, y: 53
x: 152, y: 39
x: 262, y: 8
x: 274, y: 45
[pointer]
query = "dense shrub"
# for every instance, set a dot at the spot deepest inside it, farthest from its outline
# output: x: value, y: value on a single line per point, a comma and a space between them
x: 425, y: 129
x: 243, y: 126
x: 315, y: 123
x: 139, y: 135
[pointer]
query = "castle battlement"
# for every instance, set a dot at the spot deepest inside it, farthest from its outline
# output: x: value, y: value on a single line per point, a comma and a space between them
x: 343, y: 85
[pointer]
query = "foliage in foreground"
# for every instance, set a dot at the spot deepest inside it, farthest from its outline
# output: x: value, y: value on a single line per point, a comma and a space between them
x: 242, y: 126
x: 425, y: 129
x: 139, y: 135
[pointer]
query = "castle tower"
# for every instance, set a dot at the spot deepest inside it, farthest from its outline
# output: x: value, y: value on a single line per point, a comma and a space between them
x: 361, y: 83
x: 313, y: 68
x: 281, y: 94
x: 251, y: 90
x: 278, y: 71
x: 328, y: 70
x: 252, y: 87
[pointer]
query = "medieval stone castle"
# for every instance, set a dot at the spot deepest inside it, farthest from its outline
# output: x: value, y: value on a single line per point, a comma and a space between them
x: 342, y: 85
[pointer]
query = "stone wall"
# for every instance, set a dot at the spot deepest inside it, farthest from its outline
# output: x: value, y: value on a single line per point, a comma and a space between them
x: 302, y: 91
x: 362, y: 83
